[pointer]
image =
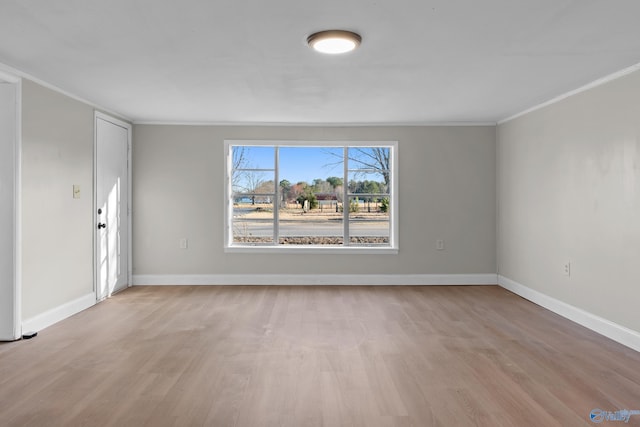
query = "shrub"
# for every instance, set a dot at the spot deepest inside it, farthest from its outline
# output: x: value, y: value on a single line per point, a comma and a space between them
x: 384, y: 205
x: 311, y: 197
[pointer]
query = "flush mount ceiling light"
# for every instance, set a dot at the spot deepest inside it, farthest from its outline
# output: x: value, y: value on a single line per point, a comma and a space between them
x: 334, y: 41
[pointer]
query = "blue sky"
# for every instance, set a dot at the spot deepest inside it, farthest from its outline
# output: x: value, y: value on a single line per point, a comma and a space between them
x: 298, y: 163
x: 304, y: 164
x: 308, y: 163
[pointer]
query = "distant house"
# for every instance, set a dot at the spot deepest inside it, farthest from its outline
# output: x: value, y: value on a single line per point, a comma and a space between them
x: 327, y: 197
x: 327, y: 200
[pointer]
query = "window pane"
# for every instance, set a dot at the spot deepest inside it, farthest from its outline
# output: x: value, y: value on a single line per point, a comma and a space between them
x: 307, y: 164
x: 253, y: 157
x: 367, y: 207
x: 369, y: 182
x: 311, y: 188
x: 253, y: 223
x: 319, y: 226
x: 369, y: 221
x: 374, y: 158
x: 369, y: 233
x: 253, y: 182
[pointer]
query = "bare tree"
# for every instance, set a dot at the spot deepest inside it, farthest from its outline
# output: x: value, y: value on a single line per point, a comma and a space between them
x: 238, y: 162
x: 285, y: 187
x: 375, y: 158
x: 253, y: 182
x: 371, y: 159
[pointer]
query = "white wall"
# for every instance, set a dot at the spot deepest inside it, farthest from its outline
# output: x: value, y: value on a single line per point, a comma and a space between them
x: 569, y: 191
x: 447, y: 191
x: 57, y: 144
x: 8, y: 206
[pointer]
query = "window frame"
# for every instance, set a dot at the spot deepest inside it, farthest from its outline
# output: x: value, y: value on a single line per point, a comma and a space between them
x: 275, y: 247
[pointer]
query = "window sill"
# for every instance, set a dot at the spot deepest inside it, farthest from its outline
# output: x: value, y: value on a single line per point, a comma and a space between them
x: 310, y: 249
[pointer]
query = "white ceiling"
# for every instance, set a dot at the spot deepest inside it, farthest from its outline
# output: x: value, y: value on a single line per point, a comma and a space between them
x: 246, y: 61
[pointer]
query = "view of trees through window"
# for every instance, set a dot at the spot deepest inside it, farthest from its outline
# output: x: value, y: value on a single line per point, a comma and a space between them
x: 310, y: 195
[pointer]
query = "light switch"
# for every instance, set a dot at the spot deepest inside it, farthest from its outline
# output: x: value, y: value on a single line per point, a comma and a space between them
x: 76, y: 191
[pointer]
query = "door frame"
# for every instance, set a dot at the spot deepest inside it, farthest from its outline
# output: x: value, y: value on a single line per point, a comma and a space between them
x: 17, y: 204
x: 102, y: 116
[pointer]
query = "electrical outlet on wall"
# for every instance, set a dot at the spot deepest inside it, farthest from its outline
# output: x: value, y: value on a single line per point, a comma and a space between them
x: 440, y: 245
x: 183, y: 244
x: 567, y: 268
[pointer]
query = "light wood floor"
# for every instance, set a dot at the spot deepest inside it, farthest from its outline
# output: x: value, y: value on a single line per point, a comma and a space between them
x: 315, y: 356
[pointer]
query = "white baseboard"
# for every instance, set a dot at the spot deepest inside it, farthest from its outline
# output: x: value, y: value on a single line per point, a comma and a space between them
x: 316, y: 279
x: 49, y: 317
x: 609, y: 329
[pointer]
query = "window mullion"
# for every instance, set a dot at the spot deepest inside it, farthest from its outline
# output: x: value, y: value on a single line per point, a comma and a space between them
x: 345, y: 198
x: 229, y: 206
x: 276, y: 198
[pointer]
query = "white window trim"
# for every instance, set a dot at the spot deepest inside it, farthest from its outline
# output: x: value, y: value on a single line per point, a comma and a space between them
x: 393, y: 247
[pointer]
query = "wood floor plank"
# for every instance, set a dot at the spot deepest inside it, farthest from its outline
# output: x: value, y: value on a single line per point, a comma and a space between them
x: 249, y: 356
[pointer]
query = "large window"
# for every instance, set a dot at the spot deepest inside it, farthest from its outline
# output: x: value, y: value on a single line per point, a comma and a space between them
x: 313, y: 195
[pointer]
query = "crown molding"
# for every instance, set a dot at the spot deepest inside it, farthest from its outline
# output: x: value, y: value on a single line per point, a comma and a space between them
x: 599, y: 82
x: 8, y: 70
x: 320, y: 124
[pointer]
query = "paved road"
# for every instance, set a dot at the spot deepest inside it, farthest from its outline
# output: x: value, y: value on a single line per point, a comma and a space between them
x: 324, y: 228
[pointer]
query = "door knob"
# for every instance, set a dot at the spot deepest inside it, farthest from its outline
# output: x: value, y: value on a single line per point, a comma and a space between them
x: 101, y: 225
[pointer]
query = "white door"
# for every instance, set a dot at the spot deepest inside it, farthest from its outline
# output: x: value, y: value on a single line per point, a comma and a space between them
x: 112, y: 206
x: 9, y: 319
